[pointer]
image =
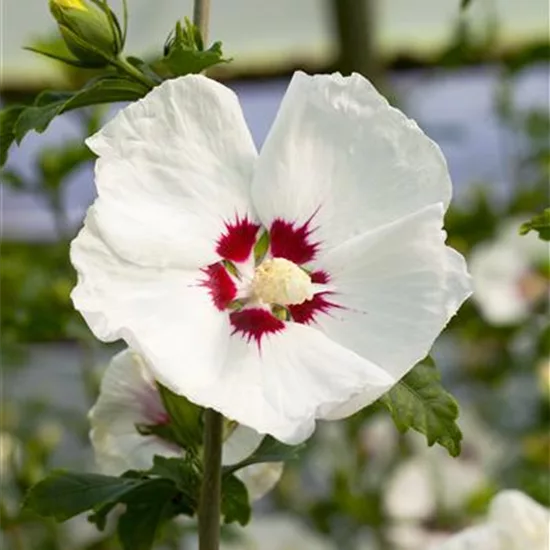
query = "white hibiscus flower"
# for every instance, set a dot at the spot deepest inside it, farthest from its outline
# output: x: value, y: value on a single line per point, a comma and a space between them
x: 356, y: 281
x: 505, y: 277
x: 129, y: 403
x: 515, y: 522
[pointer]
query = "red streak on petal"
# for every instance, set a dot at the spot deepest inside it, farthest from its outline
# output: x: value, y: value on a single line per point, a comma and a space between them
x: 237, y: 242
x: 320, y: 277
x: 305, y: 313
x: 220, y: 286
x: 253, y: 323
x: 291, y: 242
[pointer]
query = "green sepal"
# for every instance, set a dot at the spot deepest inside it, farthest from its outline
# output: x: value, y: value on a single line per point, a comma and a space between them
x: 420, y: 402
x: 186, y: 419
x: 184, y: 53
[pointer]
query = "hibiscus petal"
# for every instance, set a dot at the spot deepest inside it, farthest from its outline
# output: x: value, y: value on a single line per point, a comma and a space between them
x: 398, y: 286
x: 281, y: 387
x: 338, y: 152
x: 242, y: 442
x: 260, y: 478
x: 522, y: 521
x: 127, y: 397
x: 174, y: 167
x: 164, y: 314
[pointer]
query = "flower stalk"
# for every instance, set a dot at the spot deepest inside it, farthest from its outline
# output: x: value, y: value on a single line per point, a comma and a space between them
x: 210, y: 497
x: 201, y: 17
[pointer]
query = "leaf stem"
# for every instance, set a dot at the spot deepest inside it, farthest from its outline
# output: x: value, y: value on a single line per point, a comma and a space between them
x: 130, y: 70
x: 201, y: 17
x: 210, y: 497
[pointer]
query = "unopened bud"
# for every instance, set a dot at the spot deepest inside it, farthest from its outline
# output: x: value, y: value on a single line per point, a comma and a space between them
x: 91, y: 32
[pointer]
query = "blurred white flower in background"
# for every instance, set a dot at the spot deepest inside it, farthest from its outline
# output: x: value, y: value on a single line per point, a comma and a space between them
x: 431, y: 484
x: 505, y: 272
x: 128, y: 399
x: 515, y: 522
x: 543, y: 375
x: 280, y: 288
x: 10, y: 455
x: 276, y: 532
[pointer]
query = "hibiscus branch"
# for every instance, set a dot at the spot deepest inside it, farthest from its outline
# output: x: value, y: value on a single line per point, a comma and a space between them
x: 210, y: 496
x: 201, y: 16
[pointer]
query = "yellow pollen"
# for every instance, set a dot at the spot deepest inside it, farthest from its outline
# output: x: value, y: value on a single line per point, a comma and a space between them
x: 280, y: 281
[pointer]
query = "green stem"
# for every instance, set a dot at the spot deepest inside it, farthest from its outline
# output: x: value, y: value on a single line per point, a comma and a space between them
x: 130, y: 70
x: 201, y: 17
x: 210, y: 498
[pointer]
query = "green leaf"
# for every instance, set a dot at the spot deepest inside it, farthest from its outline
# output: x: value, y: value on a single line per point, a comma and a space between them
x: 420, y: 402
x: 73, y: 62
x: 464, y: 4
x: 235, y: 503
x: 48, y: 105
x: 184, y: 53
x: 8, y: 119
x: 63, y: 495
x: 186, y: 418
x: 147, y: 507
x: 540, y: 224
x: 269, y: 450
x: 182, y: 472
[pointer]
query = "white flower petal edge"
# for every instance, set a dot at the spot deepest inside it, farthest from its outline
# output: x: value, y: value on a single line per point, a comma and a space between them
x: 172, y: 167
x: 129, y: 397
x: 281, y: 387
x: 260, y: 478
x: 340, y: 153
x: 399, y: 285
x: 523, y: 521
x: 162, y: 313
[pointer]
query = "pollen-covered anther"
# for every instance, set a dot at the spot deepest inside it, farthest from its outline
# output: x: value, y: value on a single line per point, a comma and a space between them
x: 280, y: 281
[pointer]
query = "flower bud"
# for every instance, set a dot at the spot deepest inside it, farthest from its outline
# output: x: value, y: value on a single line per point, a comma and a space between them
x: 88, y: 30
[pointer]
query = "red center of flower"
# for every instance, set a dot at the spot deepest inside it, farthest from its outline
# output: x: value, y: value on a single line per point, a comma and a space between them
x: 243, y: 247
